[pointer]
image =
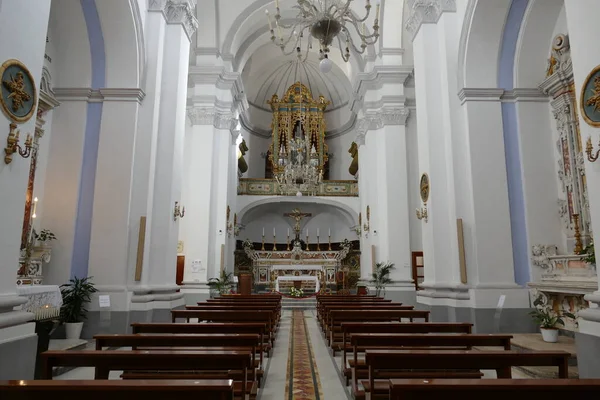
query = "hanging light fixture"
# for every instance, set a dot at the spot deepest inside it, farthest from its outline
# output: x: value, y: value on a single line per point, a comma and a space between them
x: 324, y: 20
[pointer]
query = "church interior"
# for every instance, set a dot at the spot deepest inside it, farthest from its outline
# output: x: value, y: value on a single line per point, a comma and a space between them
x: 288, y: 199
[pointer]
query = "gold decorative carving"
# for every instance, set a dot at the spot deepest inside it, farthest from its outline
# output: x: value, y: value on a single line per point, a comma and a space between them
x: 19, y: 92
x: 297, y: 105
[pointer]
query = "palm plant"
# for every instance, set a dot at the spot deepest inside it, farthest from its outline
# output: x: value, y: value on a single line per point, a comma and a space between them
x: 222, y: 284
x: 76, y: 294
x: 546, y: 317
x: 381, y: 276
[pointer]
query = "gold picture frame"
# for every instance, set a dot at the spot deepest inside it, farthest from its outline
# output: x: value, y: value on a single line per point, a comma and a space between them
x: 18, y: 98
x: 589, y: 100
x: 424, y: 187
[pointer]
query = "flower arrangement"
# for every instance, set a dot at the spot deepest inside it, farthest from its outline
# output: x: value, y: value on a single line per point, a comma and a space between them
x: 296, y: 292
x: 589, y: 254
x: 45, y: 236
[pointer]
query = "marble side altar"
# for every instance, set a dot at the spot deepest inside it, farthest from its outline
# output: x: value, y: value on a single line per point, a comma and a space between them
x: 565, y: 280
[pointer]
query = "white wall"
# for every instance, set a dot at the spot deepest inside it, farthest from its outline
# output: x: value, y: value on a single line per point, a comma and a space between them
x: 340, y: 162
x: 414, y: 174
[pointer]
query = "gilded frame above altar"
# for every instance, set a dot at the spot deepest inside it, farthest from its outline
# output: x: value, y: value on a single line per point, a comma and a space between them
x: 298, y: 105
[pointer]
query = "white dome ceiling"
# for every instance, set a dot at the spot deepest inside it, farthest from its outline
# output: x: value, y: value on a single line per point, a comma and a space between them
x: 268, y: 72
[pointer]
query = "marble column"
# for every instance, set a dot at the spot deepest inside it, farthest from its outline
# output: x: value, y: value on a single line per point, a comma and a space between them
x: 18, y: 340
x: 582, y: 20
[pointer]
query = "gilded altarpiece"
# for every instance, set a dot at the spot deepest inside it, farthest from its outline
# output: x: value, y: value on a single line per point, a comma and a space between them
x: 566, y: 279
x: 297, y: 107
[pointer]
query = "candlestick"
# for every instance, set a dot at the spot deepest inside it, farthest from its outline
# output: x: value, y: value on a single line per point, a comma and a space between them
x: 263, y: 241
x: 276, y: 3
x: 330, y: 240
x: 288, y: 241
x: 307, y: 249
x: 377, y: 10
x: 318, y: 247
x: 274, y: 242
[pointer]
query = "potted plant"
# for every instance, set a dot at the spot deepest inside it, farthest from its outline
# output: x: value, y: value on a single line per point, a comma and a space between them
x: 44, y: 237
x: 76, y: 294
x: 381, y: 276
x: 548, y: 319
x: 589, y: 254
x: 221, y: 285
x: 296, y: 292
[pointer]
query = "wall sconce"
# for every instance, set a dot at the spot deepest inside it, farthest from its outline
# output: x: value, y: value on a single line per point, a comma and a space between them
x: 367, y: 224
x: 589, y: 148
x: 422, y: 213
x: 12, y: 145
x: 178, y: 212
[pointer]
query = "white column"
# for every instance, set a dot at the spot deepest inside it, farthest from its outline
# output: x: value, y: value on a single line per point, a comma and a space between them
x: 581, y: 19
x: 440, y: 250
x: 163, y: 229
x: 198, y: 173
x: 365, y: 170
x: 28, y: 47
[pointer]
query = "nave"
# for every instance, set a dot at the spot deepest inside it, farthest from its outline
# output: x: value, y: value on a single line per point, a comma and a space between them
x: 349, y: 347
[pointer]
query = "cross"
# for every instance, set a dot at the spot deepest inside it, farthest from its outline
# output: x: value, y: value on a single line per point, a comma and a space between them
x: 297, y: 215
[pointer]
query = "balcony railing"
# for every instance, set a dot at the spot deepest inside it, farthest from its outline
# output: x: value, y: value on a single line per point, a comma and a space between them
x: 270, y: 187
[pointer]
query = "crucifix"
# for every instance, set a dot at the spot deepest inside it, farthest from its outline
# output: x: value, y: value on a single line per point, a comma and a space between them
x: 297, y: 215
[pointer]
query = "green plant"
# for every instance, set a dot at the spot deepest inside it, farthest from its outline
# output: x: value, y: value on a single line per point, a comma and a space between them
x: 545, y: 316
x: 381, y: 276
x: 589, y: 254
x: 76, y: 294
x: 222, y: 284
x: 45, y: 236
x: 296, y: 292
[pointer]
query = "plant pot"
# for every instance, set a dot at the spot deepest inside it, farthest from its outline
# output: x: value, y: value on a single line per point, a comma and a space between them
x: 73, y: 329
x: 549, y: 335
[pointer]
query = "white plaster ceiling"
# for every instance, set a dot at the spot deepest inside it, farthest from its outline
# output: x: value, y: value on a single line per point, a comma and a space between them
x: 269, y: 72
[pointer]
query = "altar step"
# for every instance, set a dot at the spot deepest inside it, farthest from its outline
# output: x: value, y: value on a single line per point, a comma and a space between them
x: 305, y: 303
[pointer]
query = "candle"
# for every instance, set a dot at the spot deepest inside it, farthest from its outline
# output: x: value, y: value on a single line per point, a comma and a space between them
x: 306, y: 232
x: 317, y: 231
x: 329, y: 232
x: 377, y: 10
x: 263, y: 231
x: 269, y: 19
x: 288, y: 232
x: 273, y: 232
x: 277, y: 3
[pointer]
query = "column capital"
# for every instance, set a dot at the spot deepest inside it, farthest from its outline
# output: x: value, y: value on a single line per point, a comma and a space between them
x: 177, y: 12
x: 200, y: 115
x: 426, y: 12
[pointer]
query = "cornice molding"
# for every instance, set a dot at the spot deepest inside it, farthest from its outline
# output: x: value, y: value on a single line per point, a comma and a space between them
x: 177, y: 12
x: 426, y: 12
x: 376, y: 79
x: 501, y: 95
x: 558, y: 81
x: 99, y: 95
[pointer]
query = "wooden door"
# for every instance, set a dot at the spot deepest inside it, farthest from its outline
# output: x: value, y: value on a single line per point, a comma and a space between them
x: 180, y: 267
x: 418, y: 271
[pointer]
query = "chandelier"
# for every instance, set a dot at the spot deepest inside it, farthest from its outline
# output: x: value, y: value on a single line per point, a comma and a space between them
x: 323, y: 20
x: 298, y: 167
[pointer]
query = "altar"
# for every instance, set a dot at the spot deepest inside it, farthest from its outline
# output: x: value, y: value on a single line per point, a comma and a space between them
x: 298, y: 278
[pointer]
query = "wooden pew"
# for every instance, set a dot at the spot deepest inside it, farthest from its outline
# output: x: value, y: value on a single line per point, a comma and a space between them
x: 274, y: 308
x: 337, y: 317
x: 428, y: 364
x: 165, y: 364
x: 204, y: 342
x: 350, y: 328
x: 117, y: 389
x: 229, y: 316
x: 218, y: 327
x: 326, y: 310
x: 476, y: 389
x: 387, y: 341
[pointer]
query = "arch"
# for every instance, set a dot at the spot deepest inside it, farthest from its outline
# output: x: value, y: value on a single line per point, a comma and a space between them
x: 481, y: 42
x: 533, y: 46
x: 346, y: 209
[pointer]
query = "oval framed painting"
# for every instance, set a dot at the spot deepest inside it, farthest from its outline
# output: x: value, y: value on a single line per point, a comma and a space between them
x: 424, y: 187
x: 590, y: 98
x: 19, y: 94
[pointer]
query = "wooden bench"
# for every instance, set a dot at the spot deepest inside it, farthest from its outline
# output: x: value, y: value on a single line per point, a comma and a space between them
x: 117, y: 389
x: 274, y: 308
x: 336, y: 318
x: 350, y: 328
x: 387, y: 341
x: 229, y: 316
x: 476, y: 389
x: 428, y: 364
x: 204, y: 342
x: 158, y: 365
x: 327, y: 309
x: 218, y: 327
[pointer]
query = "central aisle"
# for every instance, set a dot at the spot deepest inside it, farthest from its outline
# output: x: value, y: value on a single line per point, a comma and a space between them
x: 302, y: 370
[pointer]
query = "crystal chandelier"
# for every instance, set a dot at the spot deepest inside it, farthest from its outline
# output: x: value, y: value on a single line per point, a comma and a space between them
x: 298, y: 167
x: 323, y: 20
